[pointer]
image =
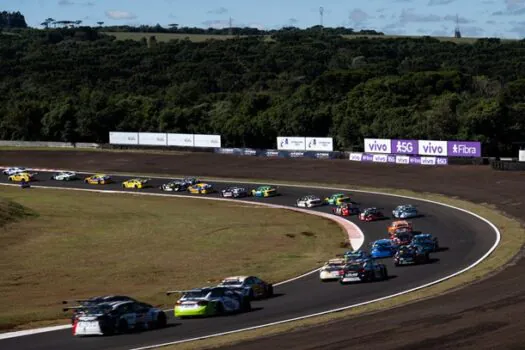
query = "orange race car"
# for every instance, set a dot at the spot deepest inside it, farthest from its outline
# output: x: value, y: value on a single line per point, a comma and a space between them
x: 400, y: 225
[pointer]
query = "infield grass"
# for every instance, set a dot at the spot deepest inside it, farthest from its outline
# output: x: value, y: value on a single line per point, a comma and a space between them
x: 59, y: 244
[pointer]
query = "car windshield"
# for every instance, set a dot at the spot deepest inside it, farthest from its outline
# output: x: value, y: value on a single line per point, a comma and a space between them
x: 382, y: 245
x: 196, y: 294
x: 403, y: 237
x: 353, y: 254
x: 231, y: 282
x: 96, y: 309
x: 353, y: 267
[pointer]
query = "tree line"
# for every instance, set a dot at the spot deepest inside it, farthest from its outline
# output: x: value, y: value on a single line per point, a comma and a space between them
x: 12, y: 20
x: 78, y: 84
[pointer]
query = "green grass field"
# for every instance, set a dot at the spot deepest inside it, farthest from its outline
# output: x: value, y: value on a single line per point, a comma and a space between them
x: 59, y: 244
x: 163, y: 37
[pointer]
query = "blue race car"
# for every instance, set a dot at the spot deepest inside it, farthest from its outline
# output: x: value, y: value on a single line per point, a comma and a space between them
x: 425, y: 242
x: 355, y: 255
x: 405, y: 211
x: 383, y: 248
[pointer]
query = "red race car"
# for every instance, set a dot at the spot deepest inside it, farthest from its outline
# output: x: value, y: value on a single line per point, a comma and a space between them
x: 371, y: 214
x: 346, y: 209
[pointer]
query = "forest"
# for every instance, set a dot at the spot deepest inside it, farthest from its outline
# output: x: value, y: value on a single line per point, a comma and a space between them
x: 78, y: 84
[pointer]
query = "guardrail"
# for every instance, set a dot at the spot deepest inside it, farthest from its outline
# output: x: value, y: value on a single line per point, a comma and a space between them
x: 50, y: 144
x: 507, y: 165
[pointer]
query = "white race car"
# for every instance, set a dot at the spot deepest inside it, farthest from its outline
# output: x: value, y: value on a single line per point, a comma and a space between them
x: 64, y: 176
x: 331, y: 270
x: 309, y: 201
x: 12, y: 171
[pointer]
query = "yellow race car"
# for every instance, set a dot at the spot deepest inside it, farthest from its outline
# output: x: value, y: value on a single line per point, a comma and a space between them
x: 135, y: 183
x: 201, y: 188
x: 98, y: 179
x: 22, y: 177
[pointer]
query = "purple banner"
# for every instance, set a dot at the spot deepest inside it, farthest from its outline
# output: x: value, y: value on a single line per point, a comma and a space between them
x: 404, y: 146
x: 463, y: 149
x: 435, y: 148
x: 397, y: 159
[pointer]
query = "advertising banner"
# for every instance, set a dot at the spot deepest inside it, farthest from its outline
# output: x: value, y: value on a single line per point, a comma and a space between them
x: 291, y: 143
x: 405, y: 146
x: 356, y: 157
x: 379, y: 158
x: 181, y: 140
x: 249, y: 152
x: 402, y: 159
x: 153, y: 139
x: 123, y: 138
x: 396, y: 159
x: 378, y: 146
x: 207, y: 140
x: 432, y: 148
x: 464, y: 149
x: 319, y: 144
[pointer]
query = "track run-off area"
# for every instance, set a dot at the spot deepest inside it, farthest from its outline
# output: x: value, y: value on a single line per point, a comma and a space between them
x: 466, y: 238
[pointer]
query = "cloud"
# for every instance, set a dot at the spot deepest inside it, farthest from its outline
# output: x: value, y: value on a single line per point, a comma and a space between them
x: 514, y: 4
x: 293, y: 21
x: 514, y: 12
x: 358, y: 16
x: 217, y: 23
x: 472, y: 31
x: 70, y: 3
x: 518, y: 28
x: 461, y: 20
x: 439, y: 2
x: 120, y: 15
x: 218, y: 11
x: 65, y: 3
x: 408, y: 16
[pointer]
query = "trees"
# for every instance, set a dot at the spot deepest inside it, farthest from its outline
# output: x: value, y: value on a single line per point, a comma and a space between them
x: 77, y: 84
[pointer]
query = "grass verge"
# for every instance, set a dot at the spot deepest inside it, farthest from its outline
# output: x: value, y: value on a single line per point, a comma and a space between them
x: 83, y: 244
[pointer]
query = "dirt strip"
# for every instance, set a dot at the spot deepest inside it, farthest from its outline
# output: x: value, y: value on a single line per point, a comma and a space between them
x: 484, y: 315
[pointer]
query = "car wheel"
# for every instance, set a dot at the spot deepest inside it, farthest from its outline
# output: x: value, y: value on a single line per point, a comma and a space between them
x: 161, y: 320
x: 246, y: 305
x: 99, y: 182
x: 269, y: 291
x: 136, y: 186
x: 219, y: 309
x: 122, y: 326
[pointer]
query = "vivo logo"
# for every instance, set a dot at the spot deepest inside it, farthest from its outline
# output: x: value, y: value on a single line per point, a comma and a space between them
x: 379, y: 158
x: 356, y: 156
x: 402, y: 159
x: 378, y: 147
x: 428, y: 160
x: 433, y: 148
x: 131, y: 138
x: 463, y: 149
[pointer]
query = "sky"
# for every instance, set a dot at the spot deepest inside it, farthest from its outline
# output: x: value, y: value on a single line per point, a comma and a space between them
x: 477, y: 18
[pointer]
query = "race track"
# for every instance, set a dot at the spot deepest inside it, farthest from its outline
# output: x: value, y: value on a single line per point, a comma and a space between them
x: 466, y: 238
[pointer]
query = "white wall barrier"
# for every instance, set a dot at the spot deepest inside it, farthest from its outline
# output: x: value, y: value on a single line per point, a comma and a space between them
x: 123, y: 138
x: 299, y: 143
x: 164, y: 139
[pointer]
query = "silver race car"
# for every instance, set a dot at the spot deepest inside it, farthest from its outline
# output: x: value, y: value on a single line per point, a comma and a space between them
x: 309, y: 201
x: 64, y: 176
x: 234, y: 192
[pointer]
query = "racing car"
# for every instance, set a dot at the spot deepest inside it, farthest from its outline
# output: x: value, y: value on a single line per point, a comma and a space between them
x: 234, y: 192
x: 135, y: 183
x: 114, y: 314
x: 383, y: 248
x: 12, y: 171
x: 363, y: 271
x: 352, y: 255
x: 211, y: 301
x: 331, y: 269
x: 401, y: 238
x: 410, y: 255
x: 264, y: 191
x: 371, y: 214
x: 337, y: 199
x: 174, y: 186
x: 400, y: 226
x: 98, y: 179
x: 22, y: 177
x: 64, y: 176
x: 405, y: 211
x: 201, y: 188
x: 346, y: 209
x: 425, y: 242
x: 309, y: 201
x: 190, y: 181
x: 253, y: 287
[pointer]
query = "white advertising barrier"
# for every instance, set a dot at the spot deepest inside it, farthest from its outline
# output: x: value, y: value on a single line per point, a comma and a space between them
x: 379, y: 158
x: 213, y: 141
x: 356, y: 157
x: 402, y: 160
x: 379, y: 146
x: 320, y: 144
x: 123, y: 138
x: 291, y: 143
x: 181, y: 140
x: 432, y: 148
x: 153, y: 139
x: 521, y: 155
x: 428, y: 160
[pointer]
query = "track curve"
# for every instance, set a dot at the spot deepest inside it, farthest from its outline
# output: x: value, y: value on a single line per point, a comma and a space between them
x: 467, y: 238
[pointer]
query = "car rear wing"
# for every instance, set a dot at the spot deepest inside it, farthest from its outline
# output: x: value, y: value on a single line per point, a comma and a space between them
x: 170, y: 292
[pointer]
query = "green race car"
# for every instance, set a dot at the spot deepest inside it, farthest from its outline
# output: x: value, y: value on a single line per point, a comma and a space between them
x: 264, y: 191
x: 337, y: 199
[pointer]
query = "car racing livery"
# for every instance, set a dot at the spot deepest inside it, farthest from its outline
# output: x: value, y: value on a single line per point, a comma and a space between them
x: 426, y: 243
x: 98, y: 179
x: 383, y: 248
x: 234, y: 192
x: 135, y: 183
x: 190, y: 181
x: 355, y: 255
x: 346, y: 209
x: 253, y: 287
x: 363, y: 271
x: 410, y: 255
x: 114, y: 315
x: 174, y: 186
x: 405, y: 211
x: 201, y: 188
x: 400, y: 226
x: 65, y: 176
x: 401, y: 238
x: 309, y: 201
x: 211, y: 301
x: 337, y: 199
x: 331, y: 270
x: 22, y: 177
x: 264, y: 191
x: 14, y: 170
x: 371, y: 214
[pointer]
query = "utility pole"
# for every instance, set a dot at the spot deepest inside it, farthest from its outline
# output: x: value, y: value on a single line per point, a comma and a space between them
x: 321, y: 15
x: 457, y: 33
x: 230, y: 31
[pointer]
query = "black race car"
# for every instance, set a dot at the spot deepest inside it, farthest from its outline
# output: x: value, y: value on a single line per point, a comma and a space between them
x: 175, y: 186
x: 410, y: 255
x: 234, y: 192
x: 366, y: 270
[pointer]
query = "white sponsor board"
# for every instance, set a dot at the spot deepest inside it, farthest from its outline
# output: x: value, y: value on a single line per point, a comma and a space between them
x: 379, y: 158
x: 378, y: 146
x: 153, y: 139
x: 291, y: 143
x: 213, y: 141
x: 428, y: 160
x: 402, y: 160
x: 123, y: 138
x: 432, y: 148
x: 521, y: 155
x: 356, y: 157
x: 181, y: 140
x: 320, y: 144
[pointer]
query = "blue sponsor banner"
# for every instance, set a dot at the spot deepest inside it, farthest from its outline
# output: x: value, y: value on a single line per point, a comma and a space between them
x: 273, y: 153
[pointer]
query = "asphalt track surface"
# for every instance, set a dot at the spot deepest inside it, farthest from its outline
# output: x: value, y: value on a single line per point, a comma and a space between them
x: 464, y: 238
